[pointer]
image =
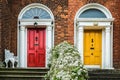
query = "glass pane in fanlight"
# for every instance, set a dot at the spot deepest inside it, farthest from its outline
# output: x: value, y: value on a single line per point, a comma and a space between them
x: 36, y: 13
x: 92, y: 13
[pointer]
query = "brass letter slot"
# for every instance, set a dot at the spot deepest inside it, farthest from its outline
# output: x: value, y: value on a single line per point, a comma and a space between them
x: 36, y: 44
x: 91, y: 48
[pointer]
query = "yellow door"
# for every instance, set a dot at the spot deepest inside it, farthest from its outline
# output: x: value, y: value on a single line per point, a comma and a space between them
x: 92, y: 47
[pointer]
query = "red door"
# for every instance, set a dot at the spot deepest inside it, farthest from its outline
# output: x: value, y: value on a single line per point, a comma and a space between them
x: 36, y: 47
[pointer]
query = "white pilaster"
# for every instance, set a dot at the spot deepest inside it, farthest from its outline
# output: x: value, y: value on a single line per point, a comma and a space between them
x: 22, y: 47
x: 49, y: 43
x: 108, y: 48
x: 80, y: 41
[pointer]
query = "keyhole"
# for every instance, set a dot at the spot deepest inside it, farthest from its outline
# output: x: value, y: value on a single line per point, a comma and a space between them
x: 92, y: 40
x: 92, y: 44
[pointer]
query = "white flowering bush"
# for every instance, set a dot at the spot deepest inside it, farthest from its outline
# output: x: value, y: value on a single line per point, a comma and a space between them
x: 66, y: 64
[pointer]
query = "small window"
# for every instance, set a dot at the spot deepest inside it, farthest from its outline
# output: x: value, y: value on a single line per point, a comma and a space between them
x: 92, y: 13
x: 36, y: 13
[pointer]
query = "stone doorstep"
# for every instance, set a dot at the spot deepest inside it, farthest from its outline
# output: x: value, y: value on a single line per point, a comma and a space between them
x: 104, y: 74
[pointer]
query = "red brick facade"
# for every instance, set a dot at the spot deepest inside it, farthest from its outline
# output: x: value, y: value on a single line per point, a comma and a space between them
x: 64, y: 12
x: 5, y: 28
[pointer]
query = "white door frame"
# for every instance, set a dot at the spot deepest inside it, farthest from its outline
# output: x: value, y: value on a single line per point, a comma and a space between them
x: 22, y: 33
x: 106, y: 24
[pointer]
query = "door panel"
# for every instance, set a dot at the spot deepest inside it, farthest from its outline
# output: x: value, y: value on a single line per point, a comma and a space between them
x: 41, y: 48
x: 92, y: 47
x: 31, y: 59
x: 36, y: 47
x: 30, y: 47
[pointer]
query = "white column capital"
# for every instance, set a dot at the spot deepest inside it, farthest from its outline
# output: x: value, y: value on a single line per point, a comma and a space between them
x: 49, y: 28
x: 22, y: 28
x: 107, y: 29
x: 80, y: 28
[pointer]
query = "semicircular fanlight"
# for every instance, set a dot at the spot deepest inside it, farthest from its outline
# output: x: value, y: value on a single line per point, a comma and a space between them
x: 36, y: 13
x: 92, y: 13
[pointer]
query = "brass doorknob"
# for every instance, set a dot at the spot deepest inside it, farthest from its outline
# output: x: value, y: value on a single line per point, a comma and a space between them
x: 91, y: 53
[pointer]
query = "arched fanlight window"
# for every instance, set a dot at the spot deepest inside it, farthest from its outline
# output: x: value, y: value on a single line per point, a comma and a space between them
x: 92, y: 13
x: 36, y: 13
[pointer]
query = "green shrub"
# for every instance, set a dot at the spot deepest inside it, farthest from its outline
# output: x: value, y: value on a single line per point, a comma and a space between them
x: 65, y: 64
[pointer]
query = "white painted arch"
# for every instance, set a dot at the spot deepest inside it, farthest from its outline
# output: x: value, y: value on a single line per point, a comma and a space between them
x: 22, y: 32
x: 95, y: 6
x: 106, y: 24
x: 33, y: 5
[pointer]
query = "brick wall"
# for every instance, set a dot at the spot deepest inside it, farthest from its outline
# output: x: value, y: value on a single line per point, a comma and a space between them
x: 1, y: 55
x: 4, y: 28
x: 64, y: 12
